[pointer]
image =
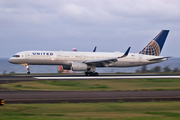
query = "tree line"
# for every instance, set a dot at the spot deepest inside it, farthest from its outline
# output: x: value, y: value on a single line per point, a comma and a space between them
x: 157, y: 69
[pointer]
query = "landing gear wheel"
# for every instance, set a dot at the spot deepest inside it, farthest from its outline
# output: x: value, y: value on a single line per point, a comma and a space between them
x: 96, y: 74
x: 91, y: 73
x: 27, y: 68
x: 86, y: 73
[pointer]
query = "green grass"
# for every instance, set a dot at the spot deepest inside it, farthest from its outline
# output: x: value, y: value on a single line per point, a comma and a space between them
x: 74, y: 84
x: 92, y: 111
x: 97, y: 85
x: 167, y: 114
x: 61, y: 83
x: 158, y: 80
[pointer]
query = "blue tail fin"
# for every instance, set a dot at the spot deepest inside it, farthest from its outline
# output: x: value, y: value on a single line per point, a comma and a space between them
x: 156, y: 45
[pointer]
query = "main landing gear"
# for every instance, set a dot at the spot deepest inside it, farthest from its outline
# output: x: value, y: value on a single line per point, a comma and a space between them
x: 92, y: 72
x: 27, y: 68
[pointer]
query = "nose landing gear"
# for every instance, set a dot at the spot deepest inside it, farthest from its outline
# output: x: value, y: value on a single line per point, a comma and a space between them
x: 27, y: 68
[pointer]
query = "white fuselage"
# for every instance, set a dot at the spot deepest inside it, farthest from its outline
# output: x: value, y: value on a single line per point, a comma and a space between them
x: 67, y: 57
x: 88, y: 61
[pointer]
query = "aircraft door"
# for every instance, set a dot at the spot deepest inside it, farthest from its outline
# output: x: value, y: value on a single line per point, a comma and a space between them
x: 140, y: 59
x: 58, y: 57
x: 27, y: 55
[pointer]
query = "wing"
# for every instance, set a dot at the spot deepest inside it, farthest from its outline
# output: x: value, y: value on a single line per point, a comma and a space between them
x: 156, y: 59
x: 105, y: 62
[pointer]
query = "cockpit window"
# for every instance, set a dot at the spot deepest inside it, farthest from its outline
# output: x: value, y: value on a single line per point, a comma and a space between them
x: 16, y: 55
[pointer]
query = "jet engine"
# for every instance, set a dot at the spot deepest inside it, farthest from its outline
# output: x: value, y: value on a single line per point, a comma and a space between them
x: 78, y: 66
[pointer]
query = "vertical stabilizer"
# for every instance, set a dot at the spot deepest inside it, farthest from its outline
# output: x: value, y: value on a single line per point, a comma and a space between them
x: 156, y: 45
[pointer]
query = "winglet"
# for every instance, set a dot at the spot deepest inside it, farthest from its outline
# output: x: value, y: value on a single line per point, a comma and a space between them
x: 126, y: 53
x: 94, y: 49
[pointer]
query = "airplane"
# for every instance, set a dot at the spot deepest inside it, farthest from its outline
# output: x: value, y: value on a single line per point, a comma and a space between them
x: 88, y: 61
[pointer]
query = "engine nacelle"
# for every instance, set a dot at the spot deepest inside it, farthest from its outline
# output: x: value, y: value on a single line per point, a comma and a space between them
x: 78, y: 66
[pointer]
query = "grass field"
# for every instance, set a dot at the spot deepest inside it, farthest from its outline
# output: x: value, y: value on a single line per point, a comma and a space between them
x: 97, y: 85
x: 92, y: 111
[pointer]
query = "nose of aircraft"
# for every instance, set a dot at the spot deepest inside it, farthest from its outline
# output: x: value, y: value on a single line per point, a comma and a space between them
x: 11, y: 60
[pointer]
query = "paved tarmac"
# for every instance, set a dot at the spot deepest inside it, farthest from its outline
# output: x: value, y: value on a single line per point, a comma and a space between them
x: 18, y: 78
x: 87, y: 96
x: 102, y: 77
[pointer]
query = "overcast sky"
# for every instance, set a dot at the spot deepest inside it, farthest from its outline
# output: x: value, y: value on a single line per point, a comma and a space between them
x: 111, y: 25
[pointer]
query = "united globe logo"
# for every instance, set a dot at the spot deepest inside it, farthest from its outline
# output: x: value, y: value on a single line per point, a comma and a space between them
x: 151, y: 49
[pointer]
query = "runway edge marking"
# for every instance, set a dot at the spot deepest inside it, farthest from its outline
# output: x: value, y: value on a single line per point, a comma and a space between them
x: 106, y: 77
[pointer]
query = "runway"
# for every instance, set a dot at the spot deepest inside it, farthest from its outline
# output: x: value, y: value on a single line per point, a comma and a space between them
x: 104, y: 77
x: 20, y: 78
x: 13, y: 78
x: 84, y: 96
x: 87, y: 96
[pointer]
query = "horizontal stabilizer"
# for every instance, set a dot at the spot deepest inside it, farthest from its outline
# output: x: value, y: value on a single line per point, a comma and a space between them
x: 156, y: 59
